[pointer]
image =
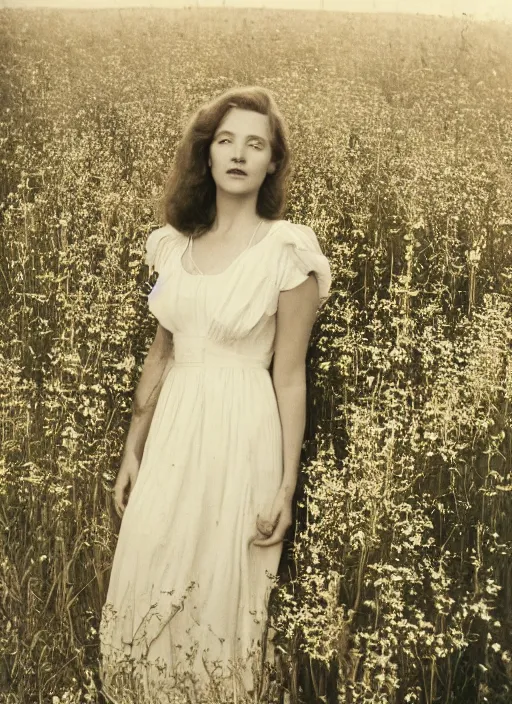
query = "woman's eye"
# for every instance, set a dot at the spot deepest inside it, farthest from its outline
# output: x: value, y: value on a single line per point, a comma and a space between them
x: 252, y: 145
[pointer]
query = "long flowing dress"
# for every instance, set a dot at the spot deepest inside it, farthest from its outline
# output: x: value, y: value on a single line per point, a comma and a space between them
x: 188, y: 592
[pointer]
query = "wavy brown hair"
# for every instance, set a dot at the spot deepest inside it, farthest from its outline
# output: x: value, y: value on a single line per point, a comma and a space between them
x: 188, y: 202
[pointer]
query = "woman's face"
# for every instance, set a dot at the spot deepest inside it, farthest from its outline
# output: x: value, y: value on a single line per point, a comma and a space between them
x: 242, y: 141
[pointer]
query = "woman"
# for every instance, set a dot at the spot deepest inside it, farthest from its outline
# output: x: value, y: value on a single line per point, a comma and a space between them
x: 213, y: 449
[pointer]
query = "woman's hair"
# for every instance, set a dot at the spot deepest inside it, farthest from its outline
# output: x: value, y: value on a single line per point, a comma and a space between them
x: 188, y: 202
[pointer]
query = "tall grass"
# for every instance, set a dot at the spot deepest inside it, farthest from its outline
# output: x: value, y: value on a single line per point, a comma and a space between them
x: 396, y: 586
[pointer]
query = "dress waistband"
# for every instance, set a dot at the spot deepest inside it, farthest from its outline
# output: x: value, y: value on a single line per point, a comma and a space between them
x: 200, y: 350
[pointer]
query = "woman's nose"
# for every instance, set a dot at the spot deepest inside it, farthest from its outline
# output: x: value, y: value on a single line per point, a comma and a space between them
x: 239, y: 153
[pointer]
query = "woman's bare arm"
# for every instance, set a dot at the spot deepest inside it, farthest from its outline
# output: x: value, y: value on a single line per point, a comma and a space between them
x: 297, y: 309
x: 159, y: 360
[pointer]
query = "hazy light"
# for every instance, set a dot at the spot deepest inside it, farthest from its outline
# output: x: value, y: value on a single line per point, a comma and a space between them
x: 477, y: 9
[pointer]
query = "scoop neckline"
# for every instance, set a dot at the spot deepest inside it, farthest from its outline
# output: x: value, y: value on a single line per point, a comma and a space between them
x: 230, y: 266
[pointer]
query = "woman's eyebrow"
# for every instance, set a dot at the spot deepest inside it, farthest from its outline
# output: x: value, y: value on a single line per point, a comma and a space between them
x: 249, y: 136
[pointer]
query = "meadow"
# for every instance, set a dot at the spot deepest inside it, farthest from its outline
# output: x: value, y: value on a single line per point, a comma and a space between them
x: 396, y: 584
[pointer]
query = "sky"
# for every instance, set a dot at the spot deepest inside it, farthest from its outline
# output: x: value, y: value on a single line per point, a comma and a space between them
x: 477, y: 9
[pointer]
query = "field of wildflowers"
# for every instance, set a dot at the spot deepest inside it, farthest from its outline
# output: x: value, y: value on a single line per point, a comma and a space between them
x: 397, y: 585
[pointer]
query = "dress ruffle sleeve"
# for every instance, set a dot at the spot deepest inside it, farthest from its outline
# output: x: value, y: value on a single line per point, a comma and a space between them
x: 301, y: 255
x: 159, y: 245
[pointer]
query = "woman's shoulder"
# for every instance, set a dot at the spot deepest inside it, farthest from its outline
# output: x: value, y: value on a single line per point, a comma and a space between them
x: 166, y: 231
x: 298, y: 235
x: 159, y: 245
x: 300, y: 254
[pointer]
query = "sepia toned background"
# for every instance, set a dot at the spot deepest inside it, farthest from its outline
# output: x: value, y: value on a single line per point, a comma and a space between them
x: 500, y: 10
x: 395, y: 584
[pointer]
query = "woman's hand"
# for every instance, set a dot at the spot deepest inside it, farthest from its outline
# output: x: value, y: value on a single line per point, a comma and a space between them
x: 280, y: 519
x: 125, y: 482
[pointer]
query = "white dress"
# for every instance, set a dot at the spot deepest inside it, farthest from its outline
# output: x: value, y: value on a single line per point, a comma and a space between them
x: 187, y: 587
